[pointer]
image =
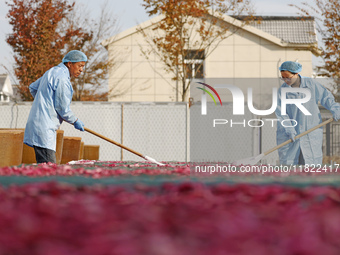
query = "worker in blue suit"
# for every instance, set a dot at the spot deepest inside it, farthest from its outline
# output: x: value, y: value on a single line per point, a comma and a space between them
x: 307, y: 149
x: 52, y: 95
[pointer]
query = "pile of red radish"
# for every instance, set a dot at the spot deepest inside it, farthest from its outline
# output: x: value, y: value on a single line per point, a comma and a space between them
x: 51, y: 218
x: 190, y: 218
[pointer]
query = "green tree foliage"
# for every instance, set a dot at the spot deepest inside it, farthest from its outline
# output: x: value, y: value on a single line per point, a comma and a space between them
x: 190, y: 29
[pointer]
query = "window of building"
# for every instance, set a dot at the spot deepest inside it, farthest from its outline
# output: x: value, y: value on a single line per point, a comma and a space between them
x: 194, y: 61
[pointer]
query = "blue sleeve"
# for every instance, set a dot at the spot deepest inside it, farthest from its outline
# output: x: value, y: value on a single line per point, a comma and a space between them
x: 62, y: 101
x: 34, y: 87
x: 282, y: 117
x: 326, y: 99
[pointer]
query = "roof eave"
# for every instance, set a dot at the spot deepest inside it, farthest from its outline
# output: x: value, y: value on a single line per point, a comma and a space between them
x: 313, y: 47
x: 132, y: 30
x: 229, y: 19
x: 240, y: 24
x: 268, y: 36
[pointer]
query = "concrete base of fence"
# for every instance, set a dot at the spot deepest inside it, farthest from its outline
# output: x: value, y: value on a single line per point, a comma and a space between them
x: 11, y: 147
x: 91, y: 152
x: 71, y: 149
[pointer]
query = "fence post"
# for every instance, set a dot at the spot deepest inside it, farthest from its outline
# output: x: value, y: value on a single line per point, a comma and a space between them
x: 187, y: 133
x: 328, y: 139
x: 260, y: 139
x: 122, y: 131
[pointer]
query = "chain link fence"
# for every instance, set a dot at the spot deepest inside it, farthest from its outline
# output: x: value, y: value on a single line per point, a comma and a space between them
x: 158, y: 130
x: 172, y: 131
x: 219, y: 136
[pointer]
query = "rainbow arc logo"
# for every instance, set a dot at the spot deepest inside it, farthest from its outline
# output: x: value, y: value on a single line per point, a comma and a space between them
x: 209, y: 93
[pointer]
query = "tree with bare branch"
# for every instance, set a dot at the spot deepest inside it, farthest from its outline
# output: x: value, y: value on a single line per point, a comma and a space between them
x: 45, y: 30
x: 37, y: 40
x: 189, y: 32
x: 91, y: 86
x: 327, y: 12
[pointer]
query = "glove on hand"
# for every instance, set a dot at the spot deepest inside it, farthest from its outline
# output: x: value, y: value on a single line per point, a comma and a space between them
x: 291, y: 133
x: 79, y: 125
x: 336, y: 115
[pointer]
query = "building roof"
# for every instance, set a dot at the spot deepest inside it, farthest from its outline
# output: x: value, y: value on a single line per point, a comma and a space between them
x: 285, y: 31
x: 289, y: 29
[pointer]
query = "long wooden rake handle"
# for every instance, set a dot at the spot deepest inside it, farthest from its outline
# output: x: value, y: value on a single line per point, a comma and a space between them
x: 298, y: 136
x: 115, y: 143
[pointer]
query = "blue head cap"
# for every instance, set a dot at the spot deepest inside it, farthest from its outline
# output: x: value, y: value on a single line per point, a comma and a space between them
x: 74, y: 56
x: 293, y: 67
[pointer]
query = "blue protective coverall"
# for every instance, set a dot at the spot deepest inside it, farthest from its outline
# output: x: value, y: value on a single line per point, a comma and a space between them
x: 310, y: 144
x: 52, y: 98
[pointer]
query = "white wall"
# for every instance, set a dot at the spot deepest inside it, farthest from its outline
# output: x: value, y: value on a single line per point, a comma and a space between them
x: 242, y: 55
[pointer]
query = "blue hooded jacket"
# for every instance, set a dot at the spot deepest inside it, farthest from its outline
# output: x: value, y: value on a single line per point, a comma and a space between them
x: 310, y: 144
x: 52, y: 98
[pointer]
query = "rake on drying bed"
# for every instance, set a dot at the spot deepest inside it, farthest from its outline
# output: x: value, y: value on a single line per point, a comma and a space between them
x: 256, y: 159
x: 123, y: 146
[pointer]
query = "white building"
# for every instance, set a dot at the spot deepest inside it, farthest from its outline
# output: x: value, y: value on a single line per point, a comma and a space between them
x: 253, y: 53
x: 6, y: 90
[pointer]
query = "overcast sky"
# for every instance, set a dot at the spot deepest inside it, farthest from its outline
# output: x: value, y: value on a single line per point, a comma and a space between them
x: 130, y: 13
